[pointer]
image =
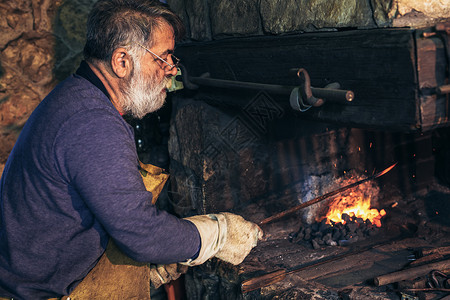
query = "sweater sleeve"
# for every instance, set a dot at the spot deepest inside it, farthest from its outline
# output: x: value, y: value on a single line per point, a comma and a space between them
x: 96, y: 155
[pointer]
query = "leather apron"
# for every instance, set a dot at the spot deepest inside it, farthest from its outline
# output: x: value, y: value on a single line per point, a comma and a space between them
x: 116, y: 276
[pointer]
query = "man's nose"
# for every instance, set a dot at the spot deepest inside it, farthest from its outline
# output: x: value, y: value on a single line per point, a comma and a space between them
x: 172, y: 72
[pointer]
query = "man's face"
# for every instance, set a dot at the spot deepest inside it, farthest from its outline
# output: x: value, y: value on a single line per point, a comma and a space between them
x: 145, y: 90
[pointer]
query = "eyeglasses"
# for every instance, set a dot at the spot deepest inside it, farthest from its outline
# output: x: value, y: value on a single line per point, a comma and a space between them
x: 167, y: 67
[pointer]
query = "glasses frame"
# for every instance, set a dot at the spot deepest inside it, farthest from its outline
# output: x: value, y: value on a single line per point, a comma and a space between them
x: 175, y: 59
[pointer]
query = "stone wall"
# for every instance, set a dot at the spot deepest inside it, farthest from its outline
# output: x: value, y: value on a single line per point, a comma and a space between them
x: 211, y: 19
x: 41, y: 40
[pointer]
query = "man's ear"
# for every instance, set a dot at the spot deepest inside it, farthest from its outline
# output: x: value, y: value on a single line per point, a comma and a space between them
x: 121, y: 63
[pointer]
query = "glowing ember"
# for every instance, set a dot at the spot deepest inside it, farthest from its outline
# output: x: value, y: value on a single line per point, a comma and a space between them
x: 358, y: 209
x: 356, y: 203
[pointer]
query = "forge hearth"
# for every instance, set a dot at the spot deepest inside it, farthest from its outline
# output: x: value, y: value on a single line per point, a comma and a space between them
x: 334, y: 272
x: 342, y: 216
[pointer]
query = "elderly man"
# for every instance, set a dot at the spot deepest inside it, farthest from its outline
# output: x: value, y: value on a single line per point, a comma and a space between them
x: 73, y: 182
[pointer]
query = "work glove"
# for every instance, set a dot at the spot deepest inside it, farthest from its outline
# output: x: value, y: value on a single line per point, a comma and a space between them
x: 162, y: 274
x: 226, y: 236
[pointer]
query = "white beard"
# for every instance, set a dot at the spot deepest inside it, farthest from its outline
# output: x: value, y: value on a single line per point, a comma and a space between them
x: 142, y: 95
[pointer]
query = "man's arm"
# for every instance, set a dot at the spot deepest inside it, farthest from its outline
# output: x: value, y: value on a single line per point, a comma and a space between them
x: 97, y: 155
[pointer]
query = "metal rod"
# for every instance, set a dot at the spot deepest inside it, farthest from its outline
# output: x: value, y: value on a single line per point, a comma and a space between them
x: 334, y: 95
x: 329, y: 93
x: 230, y: 84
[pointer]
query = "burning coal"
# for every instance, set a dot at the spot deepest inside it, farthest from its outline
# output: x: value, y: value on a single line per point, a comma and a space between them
x: 320, y: 233
x: 355, y: 208
x: 345, y: 218
x: 356, y: 203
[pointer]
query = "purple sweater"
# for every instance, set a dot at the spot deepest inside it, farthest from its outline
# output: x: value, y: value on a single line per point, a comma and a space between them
x: 71, y: 183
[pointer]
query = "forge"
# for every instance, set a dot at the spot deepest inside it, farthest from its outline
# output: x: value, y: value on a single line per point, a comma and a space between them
x: 251, y: 135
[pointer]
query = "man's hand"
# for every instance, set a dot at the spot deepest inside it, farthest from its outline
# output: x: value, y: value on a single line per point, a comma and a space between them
x: 162, y: 274
x: 226, y: 236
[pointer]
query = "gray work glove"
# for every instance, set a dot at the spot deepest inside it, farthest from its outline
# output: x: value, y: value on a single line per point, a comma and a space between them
x: 162, y: 274
x: 226, y: 236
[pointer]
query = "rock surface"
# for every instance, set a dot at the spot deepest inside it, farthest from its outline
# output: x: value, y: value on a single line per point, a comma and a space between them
x: 40, y: 44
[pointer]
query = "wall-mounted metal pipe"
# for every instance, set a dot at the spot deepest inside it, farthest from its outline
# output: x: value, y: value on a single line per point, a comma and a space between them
x: 305, y: 94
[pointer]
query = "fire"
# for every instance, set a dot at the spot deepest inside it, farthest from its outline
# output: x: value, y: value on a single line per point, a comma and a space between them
x: 354, y: 207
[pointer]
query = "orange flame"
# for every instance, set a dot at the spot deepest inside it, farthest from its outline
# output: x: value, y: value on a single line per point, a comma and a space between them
x: 357, y: 202
x: 358, y: 208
